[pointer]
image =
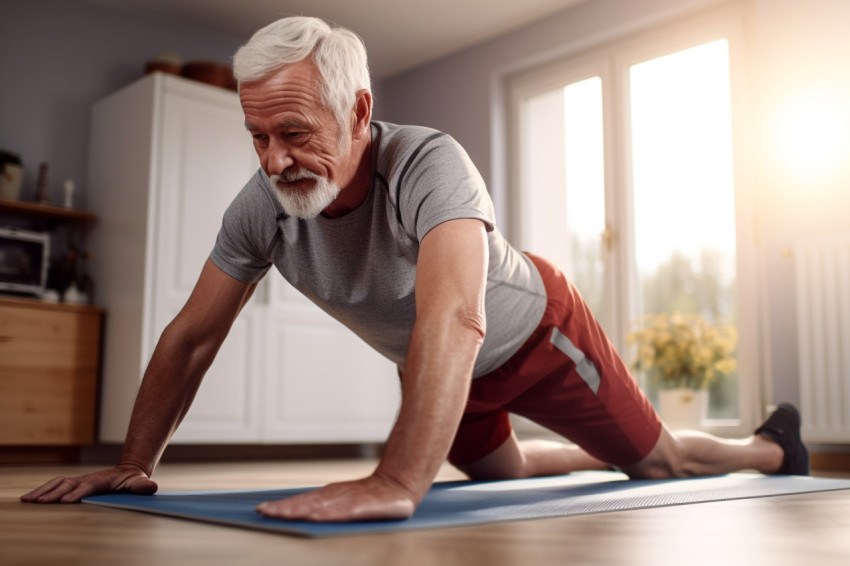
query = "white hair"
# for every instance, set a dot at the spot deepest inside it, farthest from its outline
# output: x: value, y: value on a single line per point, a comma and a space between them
x: 339, y: 55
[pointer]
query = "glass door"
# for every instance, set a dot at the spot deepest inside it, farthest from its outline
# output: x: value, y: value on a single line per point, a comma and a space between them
x: 683, y: 194
x: 564, y: 170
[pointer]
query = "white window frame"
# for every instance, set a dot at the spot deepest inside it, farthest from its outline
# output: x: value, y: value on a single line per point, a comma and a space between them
x: 612, y: 62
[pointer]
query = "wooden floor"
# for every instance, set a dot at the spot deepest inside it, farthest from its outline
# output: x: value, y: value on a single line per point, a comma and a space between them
x: 798, y: 530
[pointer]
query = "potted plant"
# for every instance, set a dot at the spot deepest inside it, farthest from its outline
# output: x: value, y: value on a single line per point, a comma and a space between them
x: 11, y: 175
x: 682, y: 355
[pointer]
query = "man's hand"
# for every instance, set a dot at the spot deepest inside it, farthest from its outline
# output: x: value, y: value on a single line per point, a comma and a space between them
x: 120, y: 479
x: 374, y: 497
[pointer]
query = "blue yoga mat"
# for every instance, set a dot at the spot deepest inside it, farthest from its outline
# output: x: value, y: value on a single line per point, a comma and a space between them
x: 452, y: 504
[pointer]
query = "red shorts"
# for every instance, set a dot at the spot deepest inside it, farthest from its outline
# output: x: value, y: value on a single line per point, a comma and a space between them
x: 568, y: 378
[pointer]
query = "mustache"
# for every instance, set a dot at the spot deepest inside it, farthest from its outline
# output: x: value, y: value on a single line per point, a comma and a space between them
x: 294, y: 175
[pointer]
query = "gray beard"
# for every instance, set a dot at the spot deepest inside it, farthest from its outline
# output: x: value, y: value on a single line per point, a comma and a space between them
x: 304, y: 204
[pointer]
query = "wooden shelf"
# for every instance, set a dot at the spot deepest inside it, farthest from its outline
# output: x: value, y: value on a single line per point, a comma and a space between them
x: 42, y: 211
x: 32, y: 303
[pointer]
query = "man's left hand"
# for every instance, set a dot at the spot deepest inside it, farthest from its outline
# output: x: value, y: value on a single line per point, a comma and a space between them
x: 371, y: 498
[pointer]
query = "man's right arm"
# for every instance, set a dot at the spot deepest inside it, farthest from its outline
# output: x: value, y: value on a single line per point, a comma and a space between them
x: 185, y: 351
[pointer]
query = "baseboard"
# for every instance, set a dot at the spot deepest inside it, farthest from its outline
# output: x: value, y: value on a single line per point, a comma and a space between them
x: 831, y: 461
x: 40, y: 454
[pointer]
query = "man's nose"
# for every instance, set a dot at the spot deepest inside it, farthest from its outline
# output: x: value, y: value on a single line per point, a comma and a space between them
x: 278, y: 158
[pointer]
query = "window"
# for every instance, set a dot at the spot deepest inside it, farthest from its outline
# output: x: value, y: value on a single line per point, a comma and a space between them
x: 630, y: 180
x: 566, y: 180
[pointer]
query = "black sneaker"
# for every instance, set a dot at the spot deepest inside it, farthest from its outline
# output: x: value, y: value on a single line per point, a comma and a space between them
x: 783, y: 426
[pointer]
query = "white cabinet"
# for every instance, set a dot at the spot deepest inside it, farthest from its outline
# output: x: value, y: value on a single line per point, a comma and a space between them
x: 321, y: 376
x: 167, y: 156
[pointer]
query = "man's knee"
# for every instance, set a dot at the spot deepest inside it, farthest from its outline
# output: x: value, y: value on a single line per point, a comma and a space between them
x: 665, y: 461
x: 508, y: 461
x: 656, y: 470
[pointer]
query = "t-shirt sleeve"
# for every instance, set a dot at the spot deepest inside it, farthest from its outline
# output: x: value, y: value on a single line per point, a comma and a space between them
x: 440, y: 184
x: 246, y: 232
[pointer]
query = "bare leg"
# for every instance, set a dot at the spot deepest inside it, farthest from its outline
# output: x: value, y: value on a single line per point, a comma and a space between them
x: 531, y: 458
x: 691, y: 453
x: 676, y: 454
x: 710, y: 455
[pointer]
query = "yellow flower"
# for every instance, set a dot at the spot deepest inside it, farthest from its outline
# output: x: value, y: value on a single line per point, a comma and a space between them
x: 683, y: 350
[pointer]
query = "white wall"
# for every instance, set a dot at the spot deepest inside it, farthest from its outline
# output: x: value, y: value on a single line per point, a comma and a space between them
x: 794, y: 45
x: 799, y: 50
x: 59, y: 57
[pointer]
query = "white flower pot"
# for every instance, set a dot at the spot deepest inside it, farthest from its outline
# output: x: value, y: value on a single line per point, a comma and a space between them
x: 683, y: 408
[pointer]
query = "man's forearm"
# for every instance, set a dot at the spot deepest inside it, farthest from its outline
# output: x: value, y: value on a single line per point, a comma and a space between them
x: 448, y: 333
x: 435, y: 386
x: 185, y: 351
x: 168, y: 388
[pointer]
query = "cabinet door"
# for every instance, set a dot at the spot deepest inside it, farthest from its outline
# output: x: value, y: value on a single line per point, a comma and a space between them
x: 48, y: 373
x: 206, y: 157
x: 324, y: 384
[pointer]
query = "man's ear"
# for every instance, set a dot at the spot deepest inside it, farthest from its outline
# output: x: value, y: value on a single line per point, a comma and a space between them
x: 362, y: 114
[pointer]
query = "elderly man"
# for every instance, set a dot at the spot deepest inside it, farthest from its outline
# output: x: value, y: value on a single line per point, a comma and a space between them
x: 390, y: 229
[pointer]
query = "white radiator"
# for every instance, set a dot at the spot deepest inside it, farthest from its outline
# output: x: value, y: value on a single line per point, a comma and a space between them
x: 822, y: 266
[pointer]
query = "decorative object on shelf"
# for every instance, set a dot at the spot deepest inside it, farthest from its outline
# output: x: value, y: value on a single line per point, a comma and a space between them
x: 11, y: 175
x: 165, y: 62
x: 74, y: 296
x: 70, y: 278
x: 42, y: 191
x: 683, y: 355
x: 211, y: 73
x: 50, y: 296
x: 69, y: 193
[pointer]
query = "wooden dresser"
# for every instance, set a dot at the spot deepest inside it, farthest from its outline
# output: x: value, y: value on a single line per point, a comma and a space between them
x: 49, y: 358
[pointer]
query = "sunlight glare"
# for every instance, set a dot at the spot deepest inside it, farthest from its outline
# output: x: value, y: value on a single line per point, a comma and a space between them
x: 682, y: 155
x: 585, y: 169
x: 812, y: 134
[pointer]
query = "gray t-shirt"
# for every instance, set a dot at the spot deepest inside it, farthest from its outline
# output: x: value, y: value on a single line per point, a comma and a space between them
x: 360, y: 268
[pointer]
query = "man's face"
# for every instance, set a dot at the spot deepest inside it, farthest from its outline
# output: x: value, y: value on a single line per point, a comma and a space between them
x: 297, y: 138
